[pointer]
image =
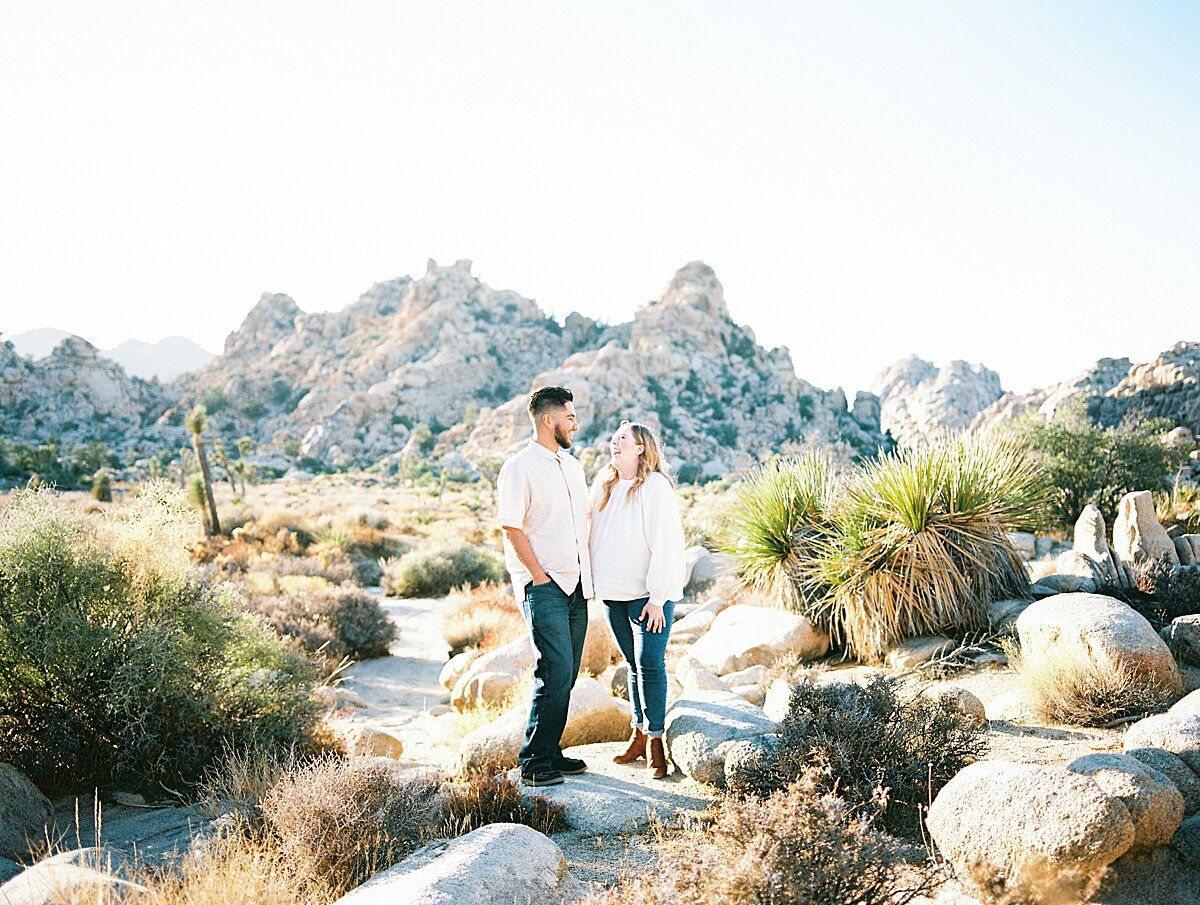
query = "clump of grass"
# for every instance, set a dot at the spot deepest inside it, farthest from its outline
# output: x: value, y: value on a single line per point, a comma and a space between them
x: 1065, y: 689
x: 114, y: 671
x: 779, y: 511
x: 484, y: 617
x: 478, y: 800
x: 918, y: 543
x: 799, y: 846
x: 340, y: 821
x: 867, y: 739
x: 435, y: 570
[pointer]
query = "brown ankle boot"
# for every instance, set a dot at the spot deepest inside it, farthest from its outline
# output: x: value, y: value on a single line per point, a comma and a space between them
x: 636, y: 749
x: 657, y: 757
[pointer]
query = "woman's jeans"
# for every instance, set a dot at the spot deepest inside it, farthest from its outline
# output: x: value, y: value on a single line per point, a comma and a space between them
x: 645, y: 652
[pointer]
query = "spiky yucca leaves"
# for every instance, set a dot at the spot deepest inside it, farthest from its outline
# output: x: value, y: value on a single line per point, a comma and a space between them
x: 918, y: 543
x: 779, y: 511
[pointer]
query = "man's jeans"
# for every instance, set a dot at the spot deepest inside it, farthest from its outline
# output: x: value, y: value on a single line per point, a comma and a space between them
x: 558, y: 623
x: 645, y: 652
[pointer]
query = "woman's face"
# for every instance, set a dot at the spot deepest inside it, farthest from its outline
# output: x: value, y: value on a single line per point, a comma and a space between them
x: 625, y: 450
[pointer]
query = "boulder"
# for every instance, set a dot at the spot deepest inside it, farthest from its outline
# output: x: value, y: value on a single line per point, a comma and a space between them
x: 702, y: 727
x: 746, y: 755
x: 600, y: 649
x: 497, y: 863
x: 1183, y: 549
x: 1094, y: 633
x: 9, y: 869
x: 511, y: 660
x: 1010, y: 706
x: 24, y: 813
x: 1188, y: 705
x: 620, y: 681
x: 961, y: 701
x: 700, y: 679
x: 751, y: 675
x: 912, y: 652
x: 80, y: 875
x: 1170, y: 766
x: 1137, y: 535
x: 593, y: 716
x: 1029, y: 828
x: 693, y: 625
x: 1186, y: 841
x: 778, y: 699
x: 755, y: 694
x: 1176, y: 733
x: 1091, y: 540
x: 743, y: 636
x: 1183, y: 638
x: 1002, y: 614
x: 1072, y: 562
x: 1049, y: 585
x: 478, y: 689
x: 1154, y: 803
x: 1025, y: 543
x: 456, y: 666
x: 367, y: 742
x: 338, y: 697
x: 707, y: 568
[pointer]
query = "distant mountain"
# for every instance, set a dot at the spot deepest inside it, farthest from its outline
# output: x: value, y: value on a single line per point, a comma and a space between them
x: 920, y: 402
x: 165, y: 359
x: 38, y: 343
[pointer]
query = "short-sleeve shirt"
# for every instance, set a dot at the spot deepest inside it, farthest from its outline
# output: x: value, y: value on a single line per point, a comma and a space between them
x: 545, y: 495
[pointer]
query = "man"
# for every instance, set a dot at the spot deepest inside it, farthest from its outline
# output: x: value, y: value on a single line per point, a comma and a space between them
x: 543, y: 510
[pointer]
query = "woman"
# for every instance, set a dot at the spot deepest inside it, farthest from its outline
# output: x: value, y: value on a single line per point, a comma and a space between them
x: 637, y: 570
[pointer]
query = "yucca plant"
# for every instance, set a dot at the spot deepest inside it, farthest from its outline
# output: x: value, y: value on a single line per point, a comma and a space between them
x: 918, y: 543
x: 779, y: 511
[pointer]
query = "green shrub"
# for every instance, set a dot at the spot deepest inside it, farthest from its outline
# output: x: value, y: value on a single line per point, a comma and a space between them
x: 918, y: 545
x: 799, y: 846
x: 113, y: 672
x: 886, y: 754
x: 1092, y: 464
x: 434, y: 571
x: 102, y: 487
x: 332, y: 624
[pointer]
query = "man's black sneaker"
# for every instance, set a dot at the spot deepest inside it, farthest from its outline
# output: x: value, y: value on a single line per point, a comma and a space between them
x: 569, y: 766
x: 542, y: 778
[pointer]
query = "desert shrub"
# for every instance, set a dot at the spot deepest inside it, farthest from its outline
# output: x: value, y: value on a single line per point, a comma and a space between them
x: 114, y: 673
x: 1092, y: 464
x: 799, y: 846
x: 484, y: 617
x: 479, y: 800
x: 868, y: 740
x: 1062, y: 689
x: 334, y: 566
x: 917, y: 544
x: 102, y: 487
x: 435, y: 570
x: 341, y: 820
x: 778, y: 511
x: 333, y: 623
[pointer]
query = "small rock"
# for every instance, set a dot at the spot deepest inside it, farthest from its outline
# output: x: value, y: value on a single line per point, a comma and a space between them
x: 364, y: 741
x: 335, y: 697
x: 620, y: 681
x: 440, y: 710
x: 1011, y: 706
x: 755, y: 694
x: 1168, y: 764
x: 708, y: 568
x: 700, y: 679
x: 960, y: 700
x: 778, y: 699
x: 751, y: 675
x: 1183, y: 638
x: 1187, y: 841
x: 1154, y: 803
x: 512, y: 660
x: 1025, y: 543
x: 456, y: 666
x: 1062, y: 584
x: 911, y: 652
x: 1002, y: 614
x: 1091, y: 540
x: 1176, y: 733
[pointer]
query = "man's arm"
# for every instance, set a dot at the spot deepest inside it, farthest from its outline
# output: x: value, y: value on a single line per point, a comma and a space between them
x: 524, y: 550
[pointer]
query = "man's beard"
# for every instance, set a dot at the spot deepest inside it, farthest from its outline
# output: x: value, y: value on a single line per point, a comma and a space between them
x: 561, y: 438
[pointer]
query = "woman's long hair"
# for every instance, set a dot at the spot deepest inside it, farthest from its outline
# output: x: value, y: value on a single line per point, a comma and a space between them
x: 652, y: 460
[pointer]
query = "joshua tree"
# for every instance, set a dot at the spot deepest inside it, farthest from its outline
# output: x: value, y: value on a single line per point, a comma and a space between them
x: 197, y: 420
x: 223, y: 461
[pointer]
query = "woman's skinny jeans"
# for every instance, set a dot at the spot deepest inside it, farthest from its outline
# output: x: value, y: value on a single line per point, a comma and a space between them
x: 645, y: 652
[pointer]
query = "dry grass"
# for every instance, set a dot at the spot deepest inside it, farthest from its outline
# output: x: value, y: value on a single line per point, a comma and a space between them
x: 484, y: 617
x: 798, y: 847
x: 1062, y: 689
x: 472, y: 802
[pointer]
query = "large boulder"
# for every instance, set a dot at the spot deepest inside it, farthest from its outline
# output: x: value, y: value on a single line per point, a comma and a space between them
x: 1155, y: 804
x: 706, y: 568
x: 1097, y: 634
x: 24, y: 813
x: 1028, y: 828
x: 1183, y: 638
x: 912, y: 652
x: 75, y: 876
x: 1091, y: 540
x: 600, y: 649
x: 701, y: 729
x: 1137, y: 535
x: 1174, y: 732
x: 497, y: 864
x: 503, y: 668
x: 745, y: 635
x: 1172, y: 767
x: 456, y: 666
x: 594, y: 716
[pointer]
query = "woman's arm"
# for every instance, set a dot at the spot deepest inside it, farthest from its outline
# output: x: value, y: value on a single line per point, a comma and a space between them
x: 664, y: 535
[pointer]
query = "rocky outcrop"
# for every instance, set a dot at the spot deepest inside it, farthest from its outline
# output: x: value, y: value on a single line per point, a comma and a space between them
x: 1094, y: 382
x: 684, y: 367
x: 25, y: 814
x: 743, y: 636
x: 920, y: 402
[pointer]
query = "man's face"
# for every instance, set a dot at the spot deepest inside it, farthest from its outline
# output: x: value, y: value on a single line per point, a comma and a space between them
x: 565, y: 424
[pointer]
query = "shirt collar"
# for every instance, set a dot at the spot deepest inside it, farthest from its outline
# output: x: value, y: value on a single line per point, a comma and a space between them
x: 545, y: 453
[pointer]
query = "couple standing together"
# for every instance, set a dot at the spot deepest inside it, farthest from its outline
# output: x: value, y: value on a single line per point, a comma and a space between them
x: 622, y: 543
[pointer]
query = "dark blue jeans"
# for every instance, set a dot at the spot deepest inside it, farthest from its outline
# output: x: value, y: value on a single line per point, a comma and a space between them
x: 645, y: 652
x: 558, y: 623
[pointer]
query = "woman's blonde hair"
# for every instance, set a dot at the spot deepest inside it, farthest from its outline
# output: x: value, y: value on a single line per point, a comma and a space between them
x: 652, y: 460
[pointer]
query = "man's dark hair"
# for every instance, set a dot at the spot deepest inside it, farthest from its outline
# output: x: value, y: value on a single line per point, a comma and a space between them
x: 546, y: 398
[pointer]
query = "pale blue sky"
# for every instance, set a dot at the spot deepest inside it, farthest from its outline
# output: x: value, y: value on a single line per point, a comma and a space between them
x: 1012, y: 183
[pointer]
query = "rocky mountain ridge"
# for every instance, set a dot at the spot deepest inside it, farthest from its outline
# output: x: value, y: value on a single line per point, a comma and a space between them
x: 163, y: 360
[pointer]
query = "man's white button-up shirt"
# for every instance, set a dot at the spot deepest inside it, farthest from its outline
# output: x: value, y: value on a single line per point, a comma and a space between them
x: 546, y: 496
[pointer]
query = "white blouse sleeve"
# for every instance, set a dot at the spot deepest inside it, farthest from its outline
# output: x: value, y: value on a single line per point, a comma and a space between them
x: 664, y: 535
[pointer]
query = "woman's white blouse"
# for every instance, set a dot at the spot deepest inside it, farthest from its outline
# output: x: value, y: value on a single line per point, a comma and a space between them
x: 637, y: 545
